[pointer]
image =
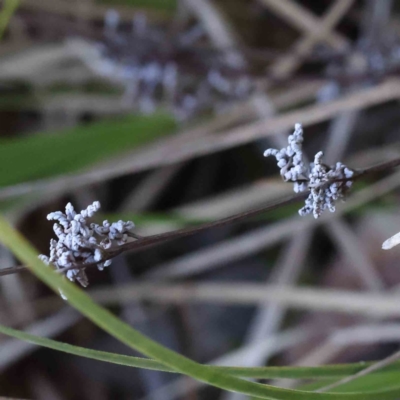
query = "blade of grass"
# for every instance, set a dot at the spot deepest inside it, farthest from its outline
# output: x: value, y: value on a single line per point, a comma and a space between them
x: 8, y: 10
x: 329, y: 371
x: 162, y: 5
x: 45, y: 155
x: 126, y: 334
x: 369, y: 383
x: 68, y: 8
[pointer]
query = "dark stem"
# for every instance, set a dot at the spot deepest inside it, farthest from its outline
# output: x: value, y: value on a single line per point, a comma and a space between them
x: 155, y: 240
x: 143, y: 243
x: 12, y: 270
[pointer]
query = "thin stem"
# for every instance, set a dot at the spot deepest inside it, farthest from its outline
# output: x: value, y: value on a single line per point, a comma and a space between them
x: 378, y: 168
x: 12, y: 270
x: 155, y: 240
x: 144, y: 243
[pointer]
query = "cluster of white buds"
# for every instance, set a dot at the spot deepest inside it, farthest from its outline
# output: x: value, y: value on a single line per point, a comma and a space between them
x: 290, y: 160
x: 326, y: 184
x: 80, y: 243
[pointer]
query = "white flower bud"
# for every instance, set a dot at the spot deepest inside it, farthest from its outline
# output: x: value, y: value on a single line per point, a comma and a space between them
x: 316, y: 177
x: 80, y: 242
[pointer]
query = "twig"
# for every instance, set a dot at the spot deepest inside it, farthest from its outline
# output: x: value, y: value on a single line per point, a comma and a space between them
x: 222, y: 35
x: 353, y: 249
x: 378, y: 168
x: 179, y: 148
x: 154, y: 240
x: 12, y: 270
x: 303, y: 19
x: 143, y: 243
x: 244, y: 294
x: 10, y: 398
x: 230, y: 251
x: 286, y: 64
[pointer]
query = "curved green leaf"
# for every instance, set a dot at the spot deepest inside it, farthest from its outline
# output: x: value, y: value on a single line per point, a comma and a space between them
x: 134, y: 339
x: 320, y: 372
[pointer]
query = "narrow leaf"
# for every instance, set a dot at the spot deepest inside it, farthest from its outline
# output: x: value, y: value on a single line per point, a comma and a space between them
x: 44, y: 155
x: 161, y: 5
x: 134, y: 339
x: 320, y: 372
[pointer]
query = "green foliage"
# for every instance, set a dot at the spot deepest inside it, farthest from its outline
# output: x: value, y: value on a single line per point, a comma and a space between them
x: 161, y: 5
x: 387, y: 378
x: 126, y: 334
x: 8, y: 10
x: 333, y: 371
x: 49, y: 154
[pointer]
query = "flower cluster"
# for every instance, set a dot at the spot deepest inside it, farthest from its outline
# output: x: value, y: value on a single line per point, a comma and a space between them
x: 326, y: 184
x: 290, y: 160
x: 80, y: 243
x: 156, y: 68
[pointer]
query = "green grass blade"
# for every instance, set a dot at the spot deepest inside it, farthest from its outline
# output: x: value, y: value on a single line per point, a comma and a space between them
x: 134, y: 339
x: 160, y: 5
x: 368, y: 383
x: 45, y: 155
x: 8, y: 10
x: 112, y: 358
x: 329, y: 371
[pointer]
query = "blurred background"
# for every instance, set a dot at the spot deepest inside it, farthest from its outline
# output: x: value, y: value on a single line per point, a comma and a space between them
x: 161, y: 110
